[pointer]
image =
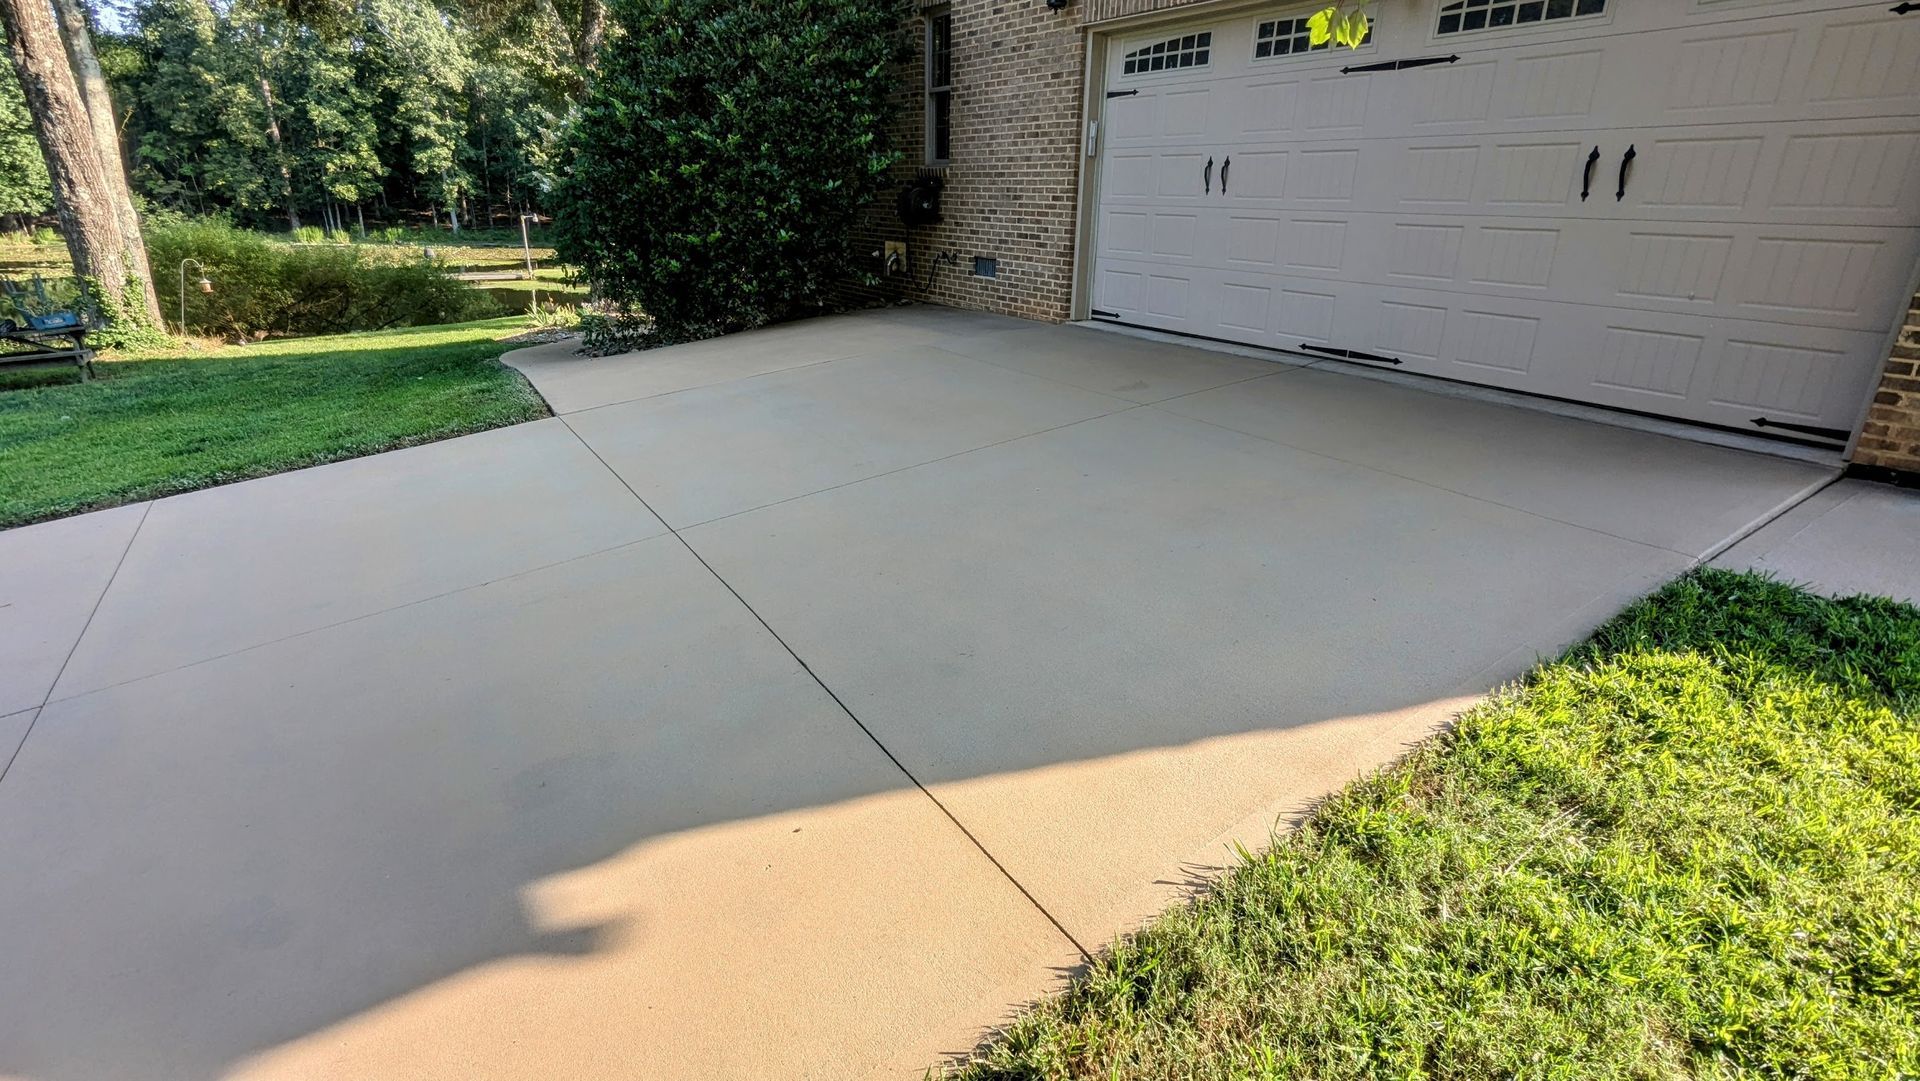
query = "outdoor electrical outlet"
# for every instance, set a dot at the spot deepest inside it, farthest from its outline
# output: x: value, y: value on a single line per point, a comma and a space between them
x: 896, y: 257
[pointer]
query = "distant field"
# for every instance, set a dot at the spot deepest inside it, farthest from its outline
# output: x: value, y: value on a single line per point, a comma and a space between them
x: 19, y: 258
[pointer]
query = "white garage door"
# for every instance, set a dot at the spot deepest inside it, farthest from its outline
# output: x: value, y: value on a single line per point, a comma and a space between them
x: 1706, y: 209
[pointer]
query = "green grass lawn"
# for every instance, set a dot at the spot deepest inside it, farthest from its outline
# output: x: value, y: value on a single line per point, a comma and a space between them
x: 1688, y: 849
x: 170, y: 423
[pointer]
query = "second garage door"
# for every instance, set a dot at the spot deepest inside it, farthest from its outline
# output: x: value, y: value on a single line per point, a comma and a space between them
x: 1705, y: 209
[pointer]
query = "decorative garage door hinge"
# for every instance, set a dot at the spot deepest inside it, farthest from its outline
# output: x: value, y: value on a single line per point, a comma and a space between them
x: 1122, y: 93
x: 1904, y: 8
x: 1400, y: 65
x: 1348, y: 354
x: 1838, y: 435
x: 1097, y: 313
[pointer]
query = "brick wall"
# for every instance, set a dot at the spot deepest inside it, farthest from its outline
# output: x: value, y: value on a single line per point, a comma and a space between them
x: 1890, y: 438
x: 1096, y: 11
x: 1013, y: 179
x: 1015, y: 158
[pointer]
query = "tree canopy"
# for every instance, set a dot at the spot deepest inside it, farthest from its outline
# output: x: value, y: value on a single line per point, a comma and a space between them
x: 24, y: 187
x: 268, y: 111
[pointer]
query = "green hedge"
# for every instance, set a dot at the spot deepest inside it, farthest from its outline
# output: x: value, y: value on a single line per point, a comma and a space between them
x: 264, y: 288
x: 725, y: 155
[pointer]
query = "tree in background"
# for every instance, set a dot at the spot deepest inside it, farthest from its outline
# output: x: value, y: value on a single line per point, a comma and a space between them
x: 723, y: 154
x: 425, y: 66
x: 76, y: 33
x: 380, y: 107
x: 25, y: 190
x: 103, y: 249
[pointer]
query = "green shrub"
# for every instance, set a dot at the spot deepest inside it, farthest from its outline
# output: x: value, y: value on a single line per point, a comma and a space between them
x: 46, y: 237
x: 724, y: 155
x: 309, y: 234
x: 262, y: 288
x: 553, y: 316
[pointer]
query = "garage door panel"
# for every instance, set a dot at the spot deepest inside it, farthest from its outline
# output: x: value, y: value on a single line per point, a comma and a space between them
x: 1866, y: 63
x: 1854, y: 173
x: 1870, y: 176
x: 1724, y: 371
x: 1486, y: 345
x: 1432, y: 217
x: 1773, y: 67
x: 1807, y: 275
x: 1860, y: 173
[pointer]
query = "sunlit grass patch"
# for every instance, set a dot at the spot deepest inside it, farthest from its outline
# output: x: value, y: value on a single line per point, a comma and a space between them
x: 1690, y: 848
x: 154, y: 425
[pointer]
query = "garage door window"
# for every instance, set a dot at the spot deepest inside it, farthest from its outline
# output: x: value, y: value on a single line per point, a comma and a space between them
x: 1284, y: 37
x: 1465, y: 15
x: 1191, y: 51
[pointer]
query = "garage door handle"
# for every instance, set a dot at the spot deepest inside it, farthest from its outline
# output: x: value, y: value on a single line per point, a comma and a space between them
x: 1206, y: 177
x: 1586, y: 179
x: 1626, y: 161
x: 1224, y: 166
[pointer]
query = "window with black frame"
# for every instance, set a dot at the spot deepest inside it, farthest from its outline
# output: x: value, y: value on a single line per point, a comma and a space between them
x: 1283, y: 37
x: 1464, y: 16
x: 939, y: 87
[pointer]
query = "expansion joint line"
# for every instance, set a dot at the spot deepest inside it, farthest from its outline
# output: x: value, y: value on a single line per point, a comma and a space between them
x: 832, y: 694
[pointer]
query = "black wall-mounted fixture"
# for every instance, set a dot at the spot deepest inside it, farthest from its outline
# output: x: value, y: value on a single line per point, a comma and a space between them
x: 919, y: 201
x: 1058, y: 5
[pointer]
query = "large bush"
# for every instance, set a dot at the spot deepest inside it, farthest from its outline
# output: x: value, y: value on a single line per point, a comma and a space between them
x: 265, y: 288
x: 723, y: 158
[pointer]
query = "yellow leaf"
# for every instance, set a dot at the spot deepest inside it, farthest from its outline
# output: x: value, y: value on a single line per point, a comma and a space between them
x: 1319, y: 26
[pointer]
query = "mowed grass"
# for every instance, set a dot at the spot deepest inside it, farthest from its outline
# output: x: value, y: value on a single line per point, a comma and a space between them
x: 171, y: 423
x: 1688, y: 849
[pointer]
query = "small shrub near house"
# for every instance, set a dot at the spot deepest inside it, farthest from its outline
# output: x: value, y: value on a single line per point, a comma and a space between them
x: 723, y: 158
x: 263, y: 288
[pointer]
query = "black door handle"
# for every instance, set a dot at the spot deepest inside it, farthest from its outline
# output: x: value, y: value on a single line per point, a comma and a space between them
x: 1626, y: 160
x: 1224, y: 166
x: 1586, y: 179
x: 1206, y: 177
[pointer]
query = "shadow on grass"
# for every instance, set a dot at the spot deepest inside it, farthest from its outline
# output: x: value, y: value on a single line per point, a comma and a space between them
x: 1690, y: 847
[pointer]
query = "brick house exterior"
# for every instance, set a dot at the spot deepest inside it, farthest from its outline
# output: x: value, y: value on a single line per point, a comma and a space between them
x: 1014, y: 189
x: 1890, y: 439
x: 1011, y: 191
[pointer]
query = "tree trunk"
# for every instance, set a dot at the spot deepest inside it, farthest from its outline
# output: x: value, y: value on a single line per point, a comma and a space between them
x: 78, y: 38
x: 593, y: 30
x: 279, y: 152
x: 82, y: 194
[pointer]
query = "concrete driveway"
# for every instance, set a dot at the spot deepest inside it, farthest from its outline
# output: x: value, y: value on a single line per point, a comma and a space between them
x: 792, y: 705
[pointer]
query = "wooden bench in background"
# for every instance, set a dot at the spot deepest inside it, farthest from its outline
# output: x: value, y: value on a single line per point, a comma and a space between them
x: 45, y: 340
